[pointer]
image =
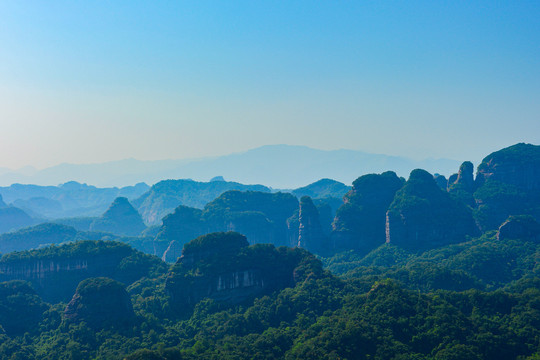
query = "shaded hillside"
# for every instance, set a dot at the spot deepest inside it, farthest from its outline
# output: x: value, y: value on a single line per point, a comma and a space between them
x: 121, y: 218
x: 222, y: 266
x: 422, y: 216
x: 166, y: 195
x: 56, y: 271
x: 100, y: 302
x: 360, y: 222
x: 70, y: 199
x: 21, y: 308
x: 225, y: 299
x: 508, y: 183
x: 324, y: 188
x: 46, y: 234
x: 12, y: 218
x: 263, y: 165
x: 262, y: 217
x: 36, y: 236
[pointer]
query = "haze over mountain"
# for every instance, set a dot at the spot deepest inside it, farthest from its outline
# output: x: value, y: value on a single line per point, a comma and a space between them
x: 278, y: 166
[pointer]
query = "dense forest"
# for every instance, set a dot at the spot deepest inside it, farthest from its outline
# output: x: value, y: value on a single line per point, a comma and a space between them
x: 419, y: 268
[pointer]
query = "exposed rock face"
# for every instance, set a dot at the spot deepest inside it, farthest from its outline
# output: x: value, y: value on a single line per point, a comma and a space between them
x: 311, y: 236
x: 167, y: 195
x: 222, y: 266
x: 181, y: 226
x: 121, y: 218
x: 100, y: 302
x: 508, y: 183
x: 33, y: 237
x: 465, y: 176
x: 262, y: 217
x: 327, y: 209
x: 517, y: 165
x: 452, y: 179
x: 293, y: 227
x: 173, y: 252
x: 360, y: 222
x: 422, y: 216
x: 520, y: 227
x: 464, y: 186
x: 12, y: 218
x: 55, y: 271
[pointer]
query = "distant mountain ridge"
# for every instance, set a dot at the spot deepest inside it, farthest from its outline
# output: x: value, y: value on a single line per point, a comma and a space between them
x: 278, y: 166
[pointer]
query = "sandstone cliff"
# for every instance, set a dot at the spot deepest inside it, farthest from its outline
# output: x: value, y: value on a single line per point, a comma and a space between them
x: 422, y: 216
x: 520, y: 227
x: 310, y: 235
x: 508, y: 183
x: 55, y: 271
x: 360, y: 222
x: 262, y: 217
x: 222, y: 266
x: 464, y: 186
x: 167, y: 195
x: 517, y: 165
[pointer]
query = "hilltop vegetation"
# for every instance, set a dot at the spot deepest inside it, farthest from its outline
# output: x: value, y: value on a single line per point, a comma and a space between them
x: 423, y: 268
x: 388, y: 304
x: 166, y: 195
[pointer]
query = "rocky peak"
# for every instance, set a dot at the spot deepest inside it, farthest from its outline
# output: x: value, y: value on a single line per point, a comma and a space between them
x: 465, y: 176
x: 100, y: 302
x: 452, y: 179
x: 359, y: 222
x: 464, y: 186
x: 517, y: 165
x: 311, y: 236
x: 121, y: 218
x: 422, y: 216
x: 441, y: 180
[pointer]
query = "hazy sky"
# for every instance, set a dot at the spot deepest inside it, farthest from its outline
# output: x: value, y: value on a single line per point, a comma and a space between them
x: 91, y: 81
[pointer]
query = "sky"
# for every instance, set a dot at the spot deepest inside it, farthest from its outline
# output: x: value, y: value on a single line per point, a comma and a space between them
x: 94, y: 81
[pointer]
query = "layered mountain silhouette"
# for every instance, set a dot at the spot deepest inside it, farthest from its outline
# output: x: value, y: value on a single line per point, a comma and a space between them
x: 263, y: 165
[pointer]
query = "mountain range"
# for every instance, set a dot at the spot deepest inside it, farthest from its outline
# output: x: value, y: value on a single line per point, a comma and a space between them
x: 277, y: 166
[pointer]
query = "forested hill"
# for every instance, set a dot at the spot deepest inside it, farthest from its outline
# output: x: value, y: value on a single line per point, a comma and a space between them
x: 418, y: 268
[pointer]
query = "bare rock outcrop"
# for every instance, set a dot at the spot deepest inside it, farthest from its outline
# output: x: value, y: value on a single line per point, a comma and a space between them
x: 520, y: 227
x: 223, y: 267
x: 360, y: 222
x: 422, y: 216
x: 311, y: 236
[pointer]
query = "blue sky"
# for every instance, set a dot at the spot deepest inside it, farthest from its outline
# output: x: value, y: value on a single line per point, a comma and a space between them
x: 91, y: 81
